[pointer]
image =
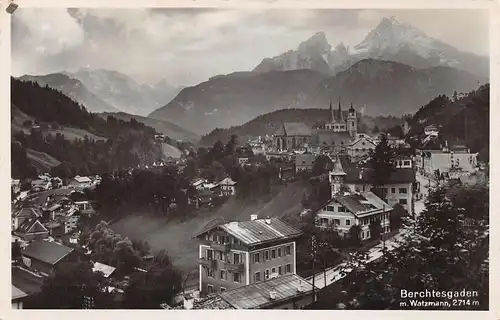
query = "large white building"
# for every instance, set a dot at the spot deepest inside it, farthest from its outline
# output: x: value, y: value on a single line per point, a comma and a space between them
x: 445, y: 161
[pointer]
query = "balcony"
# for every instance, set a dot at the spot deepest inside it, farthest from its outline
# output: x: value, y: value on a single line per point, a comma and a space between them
x: 231, y: 267
x: 220, y: 247
x: 207, y: 263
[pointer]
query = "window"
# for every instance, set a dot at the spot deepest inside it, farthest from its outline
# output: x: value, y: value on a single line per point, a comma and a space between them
x: 266, y: 274
x: 210, y: 288
x: 357, y: 149
x: 256, y: 257
x: 342, y: 209
x: 210, y: 254
x: 273, y: 270
x: 280, y: 270
x: 323, y: 220
x: 210, y: 272
x: 403, y: 201
x: 273, y: 254
x: 236, y: 277
x: 236, y: 258
x: 362, y: 234
x: 336, y: 221
x: 393, y: 190
x: 288, y: 250
x: 363, y: 143
x: 288, y: 268
x: 403, y: 190
x: 368, y: 234
x: 347, y: 222
x: 221, y: 255
x: 257, y: 276
x: 406, y: 162
x: 279, y: 252
x: 223, y: 274
x: 266, y: 255
x: 222, y: 289
x: 330, y: 208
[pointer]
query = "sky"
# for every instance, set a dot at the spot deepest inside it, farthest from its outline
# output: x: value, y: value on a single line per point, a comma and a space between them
x: 188, y: 46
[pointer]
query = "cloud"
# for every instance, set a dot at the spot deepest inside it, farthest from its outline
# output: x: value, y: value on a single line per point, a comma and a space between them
x: 187, y: 46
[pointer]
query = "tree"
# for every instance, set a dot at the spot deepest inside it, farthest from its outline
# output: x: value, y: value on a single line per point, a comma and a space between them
x: 321, y: 165
x: 70, y: 284
x: 396, y: 217
x: 381, y: 164
x: 396, y: 131
x: 375, y: 129
x: 354, y: 237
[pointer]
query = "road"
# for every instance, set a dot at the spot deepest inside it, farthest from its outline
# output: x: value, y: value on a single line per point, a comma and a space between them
x: 334, y: 273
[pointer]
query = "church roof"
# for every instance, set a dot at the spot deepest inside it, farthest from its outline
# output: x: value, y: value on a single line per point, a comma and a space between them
x: 337, y: 168
x: 293, y: 129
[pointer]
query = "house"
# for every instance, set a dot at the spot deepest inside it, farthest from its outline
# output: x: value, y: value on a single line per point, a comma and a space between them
x: 24, y: 214
x: 346, y: 209
x: 243, y: 161
x: 286, y: 172
x: 403, y: 162
x: 27, y: 282
x: 398, y: 189
x: 204, y: 197
x: 228, y: 186
x: 103, y: 268
x: 198, y: 183
x: 236, y: 254
x: 431, y: 130
x: 430, y: 162
x: 18, y: 296
x: 286, y: 292
x: 304, y: 162
x: 360, y: 147
x: 80, y: 182
x: 44, y: 256
x: 40, y: 185
x: 15, y: 185
x: 32, y: 229
x: 85, y: 207
x: 290, y: 135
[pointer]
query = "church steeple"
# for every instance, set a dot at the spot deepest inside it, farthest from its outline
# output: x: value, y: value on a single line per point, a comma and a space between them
x: 331, y: 112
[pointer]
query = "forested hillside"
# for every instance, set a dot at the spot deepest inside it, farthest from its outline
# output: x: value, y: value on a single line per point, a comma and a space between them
x: 124, y: 144
x: 464, y: 120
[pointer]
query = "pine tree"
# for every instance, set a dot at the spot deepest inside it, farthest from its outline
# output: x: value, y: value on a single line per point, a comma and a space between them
x: 382, y: 165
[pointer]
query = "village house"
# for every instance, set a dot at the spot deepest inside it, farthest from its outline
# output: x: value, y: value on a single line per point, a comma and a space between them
x: 304, y: 162
x: 347, y: 209
x: 236, y: 254
x: 40, y: 185
x: 361, y: 147
x: 290, y: 135
x: 399, y: 188
x: 286, y: 292
x: 44, y: 256
x: 228, y: 186
x: 431, y: 130
x: 19, y: 216
x: 448, y: 161
x: 32, y: 229
x: 80, y: 182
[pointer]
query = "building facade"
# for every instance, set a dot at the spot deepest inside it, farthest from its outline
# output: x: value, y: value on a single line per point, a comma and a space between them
x: 361, y: 147
x: 347, y: 209
x: 430, y: 162
x: 291, y: 135
x: 237, y: 254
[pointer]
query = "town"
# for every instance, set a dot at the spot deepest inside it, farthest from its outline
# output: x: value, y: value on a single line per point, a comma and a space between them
x: 366, y: 194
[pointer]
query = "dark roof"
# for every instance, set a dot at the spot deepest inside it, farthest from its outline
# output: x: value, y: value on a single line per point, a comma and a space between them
x: 356, y: 174
x: 27, y: 212
x: 257, y: 295
x: 260, y: 231
x: 31, y: 226
x: 211, y: 225
x: 305, y: 159
x: 26, y: 281
x: 328, y: 136
x: 213, y: 303
x: 293, y: 129
x: 45, y: 251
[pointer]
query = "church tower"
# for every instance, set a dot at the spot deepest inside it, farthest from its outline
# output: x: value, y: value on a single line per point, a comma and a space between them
x: 337, y: 176
x: 352, y: 124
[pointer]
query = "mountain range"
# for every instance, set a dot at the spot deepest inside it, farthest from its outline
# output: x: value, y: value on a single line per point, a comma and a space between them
x: 389, y: 40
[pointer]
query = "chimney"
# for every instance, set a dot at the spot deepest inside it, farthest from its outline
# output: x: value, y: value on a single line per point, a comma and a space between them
x: 253, y: 217
x: 268, y: 220
x: 272, y: 295
x: 188, y: 302
x: 300, y: 288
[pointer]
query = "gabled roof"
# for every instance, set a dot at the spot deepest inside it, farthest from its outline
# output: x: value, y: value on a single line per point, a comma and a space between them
x: 369, y: 140
x: 336, y: 137
x: 45, y: 251
x: 18, y: 293
x: 360, y: 204
x: 259, y: 231
x: 356, y: 174
x: 293, y: 129
x: 82, y: 179
x: 227, y: 182
x: 31, y: 226
x: 27, y: 212
x: 103, y: 268
x: 257, y: 295
x: 39, y: 182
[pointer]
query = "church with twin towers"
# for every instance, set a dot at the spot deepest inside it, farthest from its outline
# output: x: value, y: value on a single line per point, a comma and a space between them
x: 335, y: 134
